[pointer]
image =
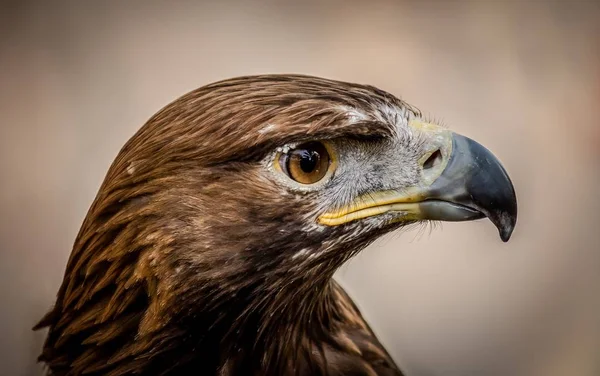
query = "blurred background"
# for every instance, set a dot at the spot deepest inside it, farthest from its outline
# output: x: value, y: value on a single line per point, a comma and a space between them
x: 523, y: 78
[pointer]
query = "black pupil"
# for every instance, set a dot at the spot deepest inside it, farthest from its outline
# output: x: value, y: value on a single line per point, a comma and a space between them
x: 309, y: 160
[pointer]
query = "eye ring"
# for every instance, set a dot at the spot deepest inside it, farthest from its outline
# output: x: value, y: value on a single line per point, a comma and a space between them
x: 307, y: 163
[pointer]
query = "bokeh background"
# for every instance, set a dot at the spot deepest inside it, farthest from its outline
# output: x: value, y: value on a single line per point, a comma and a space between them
x: 78, y: 78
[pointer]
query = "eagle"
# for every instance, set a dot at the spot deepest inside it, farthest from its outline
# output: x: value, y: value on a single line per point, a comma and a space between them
x: 211, y: 246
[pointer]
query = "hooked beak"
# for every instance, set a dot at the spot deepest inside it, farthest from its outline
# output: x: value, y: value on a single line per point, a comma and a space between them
x: 467, y: 183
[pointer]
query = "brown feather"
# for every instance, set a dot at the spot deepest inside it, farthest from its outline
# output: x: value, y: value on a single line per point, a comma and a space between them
x: 182, y: 264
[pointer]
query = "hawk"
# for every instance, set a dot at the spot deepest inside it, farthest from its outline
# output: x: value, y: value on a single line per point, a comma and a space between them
x: 211, y: 245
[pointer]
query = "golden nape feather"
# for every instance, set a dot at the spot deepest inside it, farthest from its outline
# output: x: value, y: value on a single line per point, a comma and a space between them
x: 211, y: 245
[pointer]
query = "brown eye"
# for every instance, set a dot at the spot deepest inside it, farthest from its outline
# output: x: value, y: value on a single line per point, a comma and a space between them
x: 307, y: 163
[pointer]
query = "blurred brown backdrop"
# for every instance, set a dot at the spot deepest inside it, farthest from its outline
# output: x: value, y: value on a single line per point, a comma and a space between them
x: 79, y: 78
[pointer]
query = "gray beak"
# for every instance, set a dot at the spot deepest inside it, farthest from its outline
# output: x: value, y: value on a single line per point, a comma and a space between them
x: 473, y: 185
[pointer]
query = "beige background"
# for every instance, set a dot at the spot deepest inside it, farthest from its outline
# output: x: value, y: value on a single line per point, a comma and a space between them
x: 78, y: 79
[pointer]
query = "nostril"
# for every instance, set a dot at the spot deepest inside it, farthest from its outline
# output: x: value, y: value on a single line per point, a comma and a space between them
x: 434, y: 159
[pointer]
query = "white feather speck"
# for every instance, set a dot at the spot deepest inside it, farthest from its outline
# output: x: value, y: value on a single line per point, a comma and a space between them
x: 300, y: 253
x: 353, y: 114
x: 267, y: 128
x: 131, y: 168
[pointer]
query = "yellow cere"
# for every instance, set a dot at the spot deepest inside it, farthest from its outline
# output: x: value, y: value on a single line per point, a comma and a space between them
x: 376, y: 204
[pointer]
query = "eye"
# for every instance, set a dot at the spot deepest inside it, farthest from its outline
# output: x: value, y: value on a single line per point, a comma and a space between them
x: 307, y: 163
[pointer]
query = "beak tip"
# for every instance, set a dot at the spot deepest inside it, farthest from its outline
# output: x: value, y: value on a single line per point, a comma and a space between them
x: 506, y: 226
x: 505, y: 235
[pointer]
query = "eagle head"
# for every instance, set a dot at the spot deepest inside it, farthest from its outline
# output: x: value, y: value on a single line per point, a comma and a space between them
x: 221, y: 222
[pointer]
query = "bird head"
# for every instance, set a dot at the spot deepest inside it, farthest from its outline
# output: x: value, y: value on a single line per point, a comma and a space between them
x: 294, y: 167
x: 239, y: 200
x: 286, y: 177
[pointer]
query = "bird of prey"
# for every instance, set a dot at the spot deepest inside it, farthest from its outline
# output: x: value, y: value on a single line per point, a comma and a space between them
x: 211, y: 245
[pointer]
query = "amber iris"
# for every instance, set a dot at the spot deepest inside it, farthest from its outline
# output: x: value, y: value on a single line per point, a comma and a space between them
x: 307, y: 163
